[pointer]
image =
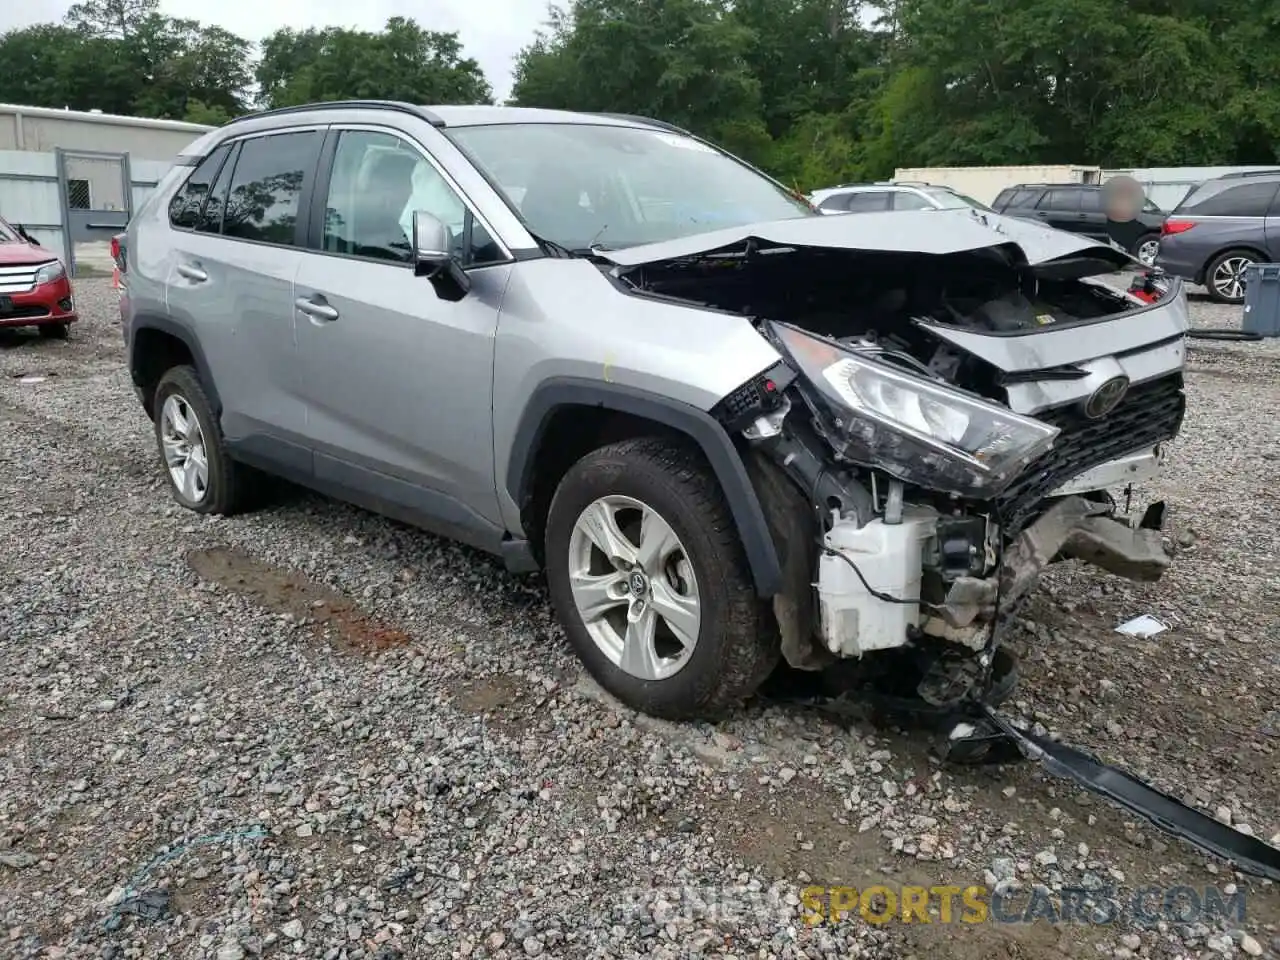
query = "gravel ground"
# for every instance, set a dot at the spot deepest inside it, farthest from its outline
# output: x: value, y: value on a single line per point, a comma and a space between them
x: 312, y: 732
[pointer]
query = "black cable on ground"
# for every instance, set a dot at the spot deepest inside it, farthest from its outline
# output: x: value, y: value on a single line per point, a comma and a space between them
x: 1224, y: 333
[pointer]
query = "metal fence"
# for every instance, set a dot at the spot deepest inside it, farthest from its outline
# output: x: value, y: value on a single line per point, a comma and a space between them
x: 71, y: 202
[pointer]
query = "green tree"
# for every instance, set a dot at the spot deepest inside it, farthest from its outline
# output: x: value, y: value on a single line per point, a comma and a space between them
x: 683, y: 61
x: 122, y: 56
x: 401, y: 62
x: 113, y: 19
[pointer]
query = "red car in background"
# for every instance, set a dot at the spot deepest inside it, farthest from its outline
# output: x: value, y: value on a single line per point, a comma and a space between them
x: 35, y: 290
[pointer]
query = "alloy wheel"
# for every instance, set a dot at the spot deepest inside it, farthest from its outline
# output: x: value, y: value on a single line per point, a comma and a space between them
x: 184, y: 448
x: 1228, y: 278
x: 1148, y: 250
x: 633, y: 584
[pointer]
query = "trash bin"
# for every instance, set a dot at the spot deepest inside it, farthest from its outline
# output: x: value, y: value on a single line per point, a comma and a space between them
x: 1262, y: 299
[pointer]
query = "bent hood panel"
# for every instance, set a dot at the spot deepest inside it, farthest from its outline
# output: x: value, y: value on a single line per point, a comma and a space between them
x: 1045, y: 244
x: 1045, y: 347
x: 937, y: 232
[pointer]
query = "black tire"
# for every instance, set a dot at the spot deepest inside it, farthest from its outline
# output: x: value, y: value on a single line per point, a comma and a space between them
x: 1144, y: 239
x: 54, y: 331
x: 1217, y: 262
x: 736, y: 646
x: 228, y: 486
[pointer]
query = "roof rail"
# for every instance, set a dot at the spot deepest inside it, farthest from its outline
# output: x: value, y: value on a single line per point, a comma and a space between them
x: 398, y: 106
x: 636, y: 118
x: 1270, y: 172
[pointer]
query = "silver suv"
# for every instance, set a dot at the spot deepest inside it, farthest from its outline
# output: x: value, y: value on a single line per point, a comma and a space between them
x: 899, y: 195
x: 729, y: 429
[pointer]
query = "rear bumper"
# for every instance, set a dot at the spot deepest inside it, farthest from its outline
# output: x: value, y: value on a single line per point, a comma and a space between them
x: 1183, y: 266
x: 47, y: 303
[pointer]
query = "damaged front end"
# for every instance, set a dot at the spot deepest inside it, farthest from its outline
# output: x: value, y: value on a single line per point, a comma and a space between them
x: 957, y: 405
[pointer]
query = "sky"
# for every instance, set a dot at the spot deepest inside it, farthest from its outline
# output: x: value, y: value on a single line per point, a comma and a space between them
x: 491, y: 31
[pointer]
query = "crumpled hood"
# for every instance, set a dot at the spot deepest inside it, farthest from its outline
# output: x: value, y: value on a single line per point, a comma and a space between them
x: 937, y: 232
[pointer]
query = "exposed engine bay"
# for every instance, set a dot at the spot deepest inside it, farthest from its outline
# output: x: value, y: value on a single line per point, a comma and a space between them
x: 943, y: 426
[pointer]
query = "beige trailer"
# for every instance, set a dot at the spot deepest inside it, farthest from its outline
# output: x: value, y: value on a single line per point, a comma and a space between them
x: 983, y: 183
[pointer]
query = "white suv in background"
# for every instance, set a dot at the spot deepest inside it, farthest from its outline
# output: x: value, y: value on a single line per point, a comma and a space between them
x: 869, y: 197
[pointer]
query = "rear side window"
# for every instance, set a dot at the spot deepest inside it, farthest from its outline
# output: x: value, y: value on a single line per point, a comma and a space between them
x: 210, y: 220
x: 868, y: 201
x: 905, y: 200
x: 188, y: 203
x: 1227, y: 198
x: 1061, y: 200
x: 266, y: 187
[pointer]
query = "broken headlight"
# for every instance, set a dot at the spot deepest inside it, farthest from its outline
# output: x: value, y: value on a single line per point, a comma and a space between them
x: 919, y: 430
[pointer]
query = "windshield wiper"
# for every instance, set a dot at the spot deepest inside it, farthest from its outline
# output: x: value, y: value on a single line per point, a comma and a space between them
x: 558, y: 249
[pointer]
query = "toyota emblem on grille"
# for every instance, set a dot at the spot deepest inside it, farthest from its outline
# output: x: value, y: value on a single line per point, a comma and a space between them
x: 1106, y: 397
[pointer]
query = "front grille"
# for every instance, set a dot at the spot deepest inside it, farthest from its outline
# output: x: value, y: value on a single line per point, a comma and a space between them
x: 18, y: 279
x: 1150, y: 413
x: 24, y: 313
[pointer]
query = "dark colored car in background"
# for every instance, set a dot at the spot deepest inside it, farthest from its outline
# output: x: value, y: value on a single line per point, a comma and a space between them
x: 34, y: 288
x: 1080, y: 208
x: 1219, y: 229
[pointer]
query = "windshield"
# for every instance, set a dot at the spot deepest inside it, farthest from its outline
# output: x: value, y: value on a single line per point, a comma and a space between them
x: 582, y: 185
x: 951, y: 200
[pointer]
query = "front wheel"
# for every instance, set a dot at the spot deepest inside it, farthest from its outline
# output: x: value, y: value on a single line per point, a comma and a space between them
x: 651, y: 583
x: 1224, y: 276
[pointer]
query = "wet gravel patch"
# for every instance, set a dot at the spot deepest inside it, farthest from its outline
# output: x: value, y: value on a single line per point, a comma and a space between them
x: 312, y: 732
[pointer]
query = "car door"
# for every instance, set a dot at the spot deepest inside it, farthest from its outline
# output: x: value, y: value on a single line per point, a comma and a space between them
x: 397, y: 369
x: 232, y: 267
x: 1060, y: 208
x: 1093, y: 220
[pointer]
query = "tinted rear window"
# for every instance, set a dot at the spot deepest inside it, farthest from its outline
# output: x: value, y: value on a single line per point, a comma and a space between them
x: 868, y: 201
x: 266, y: 187
x: 1019, y: 197
x: 1230, y: 198
x: 187, y: 205
x: 1061, y: 200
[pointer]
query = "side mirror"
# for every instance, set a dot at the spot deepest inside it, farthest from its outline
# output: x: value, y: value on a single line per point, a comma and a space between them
x: 431, y: 253
x: 433, y: 257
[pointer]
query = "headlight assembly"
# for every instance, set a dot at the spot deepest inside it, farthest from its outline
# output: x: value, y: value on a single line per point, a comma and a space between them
x: 50, y: 272
x: 919, y: 430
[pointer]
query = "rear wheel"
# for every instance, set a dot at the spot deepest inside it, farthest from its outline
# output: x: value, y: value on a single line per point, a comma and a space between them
x: 1146, y: 247
x: 202, y: 477
x: 651, y: 583
x: 1224, y: 277
x: 54, y: 331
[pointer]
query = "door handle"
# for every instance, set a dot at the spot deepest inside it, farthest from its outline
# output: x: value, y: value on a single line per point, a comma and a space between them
x: 192, y: 272
x: 316, y: 311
